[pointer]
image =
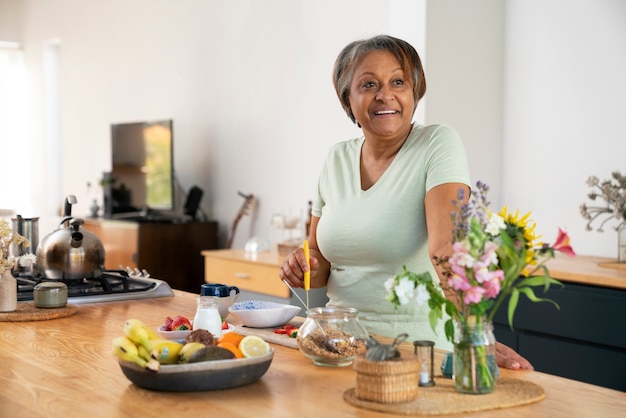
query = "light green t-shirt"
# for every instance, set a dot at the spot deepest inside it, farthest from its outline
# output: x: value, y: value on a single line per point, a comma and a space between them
x: 368, y: 235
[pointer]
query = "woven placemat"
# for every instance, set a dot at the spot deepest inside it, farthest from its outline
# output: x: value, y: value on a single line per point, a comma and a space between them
x: 617, y: 266
x: 443, y: 399
x: 26, y: 311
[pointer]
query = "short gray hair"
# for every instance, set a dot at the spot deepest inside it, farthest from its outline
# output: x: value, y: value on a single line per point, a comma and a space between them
x: 352, y: 54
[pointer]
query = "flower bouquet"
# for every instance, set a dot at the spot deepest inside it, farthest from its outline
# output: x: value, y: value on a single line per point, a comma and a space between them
x: 495, y: 257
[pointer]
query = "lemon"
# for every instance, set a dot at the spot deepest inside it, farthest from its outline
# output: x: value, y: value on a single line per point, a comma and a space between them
x: 253, y: 346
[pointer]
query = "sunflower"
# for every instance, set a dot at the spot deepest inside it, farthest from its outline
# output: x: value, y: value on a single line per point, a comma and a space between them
x: 523, y: 227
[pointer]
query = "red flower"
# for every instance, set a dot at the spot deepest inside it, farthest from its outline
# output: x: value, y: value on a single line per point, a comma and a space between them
x: 562, y: 244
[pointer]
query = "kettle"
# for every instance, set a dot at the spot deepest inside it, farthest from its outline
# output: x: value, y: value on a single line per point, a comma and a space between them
x: 70, y: 252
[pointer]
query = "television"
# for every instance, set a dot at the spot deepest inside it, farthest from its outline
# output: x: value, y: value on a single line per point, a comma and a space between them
x: 142, y: 174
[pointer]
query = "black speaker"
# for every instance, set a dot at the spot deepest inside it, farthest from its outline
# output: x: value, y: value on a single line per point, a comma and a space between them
x: 193, y: 201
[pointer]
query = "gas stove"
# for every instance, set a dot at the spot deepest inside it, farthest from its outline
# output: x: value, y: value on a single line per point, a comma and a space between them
x: 112, y: 285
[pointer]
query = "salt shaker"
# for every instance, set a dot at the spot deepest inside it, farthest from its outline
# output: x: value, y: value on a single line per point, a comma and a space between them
x: 207, y: 316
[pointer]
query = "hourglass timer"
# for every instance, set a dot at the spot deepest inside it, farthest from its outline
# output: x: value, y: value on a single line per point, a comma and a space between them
x: 424, y: 350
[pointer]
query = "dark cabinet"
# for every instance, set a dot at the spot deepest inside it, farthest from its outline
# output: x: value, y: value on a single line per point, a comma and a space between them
x: 168, y: 251
x: 585, y: 340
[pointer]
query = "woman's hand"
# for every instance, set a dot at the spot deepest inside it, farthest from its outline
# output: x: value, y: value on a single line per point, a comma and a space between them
x: 509, y: 359
x: 294, y: 265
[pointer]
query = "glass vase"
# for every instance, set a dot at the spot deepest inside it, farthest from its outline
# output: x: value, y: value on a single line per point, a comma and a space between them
x: 621, y: 242
x: 474, y: 363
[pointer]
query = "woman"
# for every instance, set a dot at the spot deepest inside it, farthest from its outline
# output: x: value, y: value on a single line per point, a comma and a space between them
x: 384, y: 199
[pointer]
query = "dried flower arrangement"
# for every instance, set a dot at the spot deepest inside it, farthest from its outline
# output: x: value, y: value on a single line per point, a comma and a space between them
x: 7, y: 238
x: 613, y: 192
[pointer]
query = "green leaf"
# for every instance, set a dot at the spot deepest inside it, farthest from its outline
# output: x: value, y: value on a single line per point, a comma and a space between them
x: 433, y: 316
x: 449, y: 328
x: 513, y: 305
x: 530, y: 294
x: 544, y: 281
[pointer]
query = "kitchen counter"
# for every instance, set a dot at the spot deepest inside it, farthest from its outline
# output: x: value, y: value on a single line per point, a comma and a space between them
x: 588, y: 270
x: 65, y: 368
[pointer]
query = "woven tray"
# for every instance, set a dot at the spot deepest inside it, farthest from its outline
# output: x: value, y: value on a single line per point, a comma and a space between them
x: 26, y: 311
x: 443, y: 399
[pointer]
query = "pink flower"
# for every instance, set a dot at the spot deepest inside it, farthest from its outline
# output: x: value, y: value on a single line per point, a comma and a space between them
x: 562, y: 244
x: 492, y: 287
x: 459, y: 282
x: 490, y: 256
x: 473, y: 295
x: 461, y: 256
x: 482, y: 274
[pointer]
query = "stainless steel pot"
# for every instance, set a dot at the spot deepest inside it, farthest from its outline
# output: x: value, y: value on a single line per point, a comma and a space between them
x: 70, y: 252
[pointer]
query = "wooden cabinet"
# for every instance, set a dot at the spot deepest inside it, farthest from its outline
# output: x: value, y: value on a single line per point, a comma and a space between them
x: 257, y: 273
x: 584, y: 340
x: 252, y: 272
x: 168, y: 251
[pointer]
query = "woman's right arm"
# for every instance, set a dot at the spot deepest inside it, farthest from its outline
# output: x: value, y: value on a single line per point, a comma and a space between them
x: 294, y: 265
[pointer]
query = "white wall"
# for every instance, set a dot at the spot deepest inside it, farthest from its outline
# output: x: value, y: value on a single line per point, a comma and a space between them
x: 535, y: 88
x: 565, y: 66
x: 464, y: 72
x: 247, y: 83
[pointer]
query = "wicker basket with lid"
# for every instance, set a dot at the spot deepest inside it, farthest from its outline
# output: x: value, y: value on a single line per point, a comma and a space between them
x: 389, y: 381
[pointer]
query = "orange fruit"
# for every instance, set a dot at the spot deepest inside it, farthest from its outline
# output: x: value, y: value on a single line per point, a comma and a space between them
x: 231, y: 347
x: 231, y: 337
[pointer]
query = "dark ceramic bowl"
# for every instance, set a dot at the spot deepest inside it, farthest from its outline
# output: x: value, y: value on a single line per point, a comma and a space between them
x: 201, y: 376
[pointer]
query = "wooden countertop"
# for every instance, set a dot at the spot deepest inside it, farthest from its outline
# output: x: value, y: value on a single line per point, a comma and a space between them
x: 580, y: 269
x: 65, y: 368
x: 588, y: 270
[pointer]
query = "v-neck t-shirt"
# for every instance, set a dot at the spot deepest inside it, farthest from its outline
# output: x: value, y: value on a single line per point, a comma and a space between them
x: 369, y: 235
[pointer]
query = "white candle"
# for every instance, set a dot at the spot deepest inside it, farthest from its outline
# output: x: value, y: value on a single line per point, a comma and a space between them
x: 424, y: 377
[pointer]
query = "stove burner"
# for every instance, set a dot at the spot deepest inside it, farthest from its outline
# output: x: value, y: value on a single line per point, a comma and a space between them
x: 111, y: 282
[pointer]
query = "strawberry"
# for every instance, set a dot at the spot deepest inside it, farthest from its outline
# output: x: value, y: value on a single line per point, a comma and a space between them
x: 168, y: 324
x: 180, y: 323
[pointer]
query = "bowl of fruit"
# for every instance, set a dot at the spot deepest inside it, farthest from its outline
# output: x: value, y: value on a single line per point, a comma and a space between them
x: 200, y: 363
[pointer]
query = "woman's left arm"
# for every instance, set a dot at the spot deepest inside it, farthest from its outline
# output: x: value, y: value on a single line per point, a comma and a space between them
x: 438, y: 206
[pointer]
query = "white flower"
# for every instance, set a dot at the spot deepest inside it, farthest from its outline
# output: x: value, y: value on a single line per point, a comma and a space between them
x: 405, y: 290
x: 389, y: 284
x: 421, y: 294
x: 27, y: 260
x: 495, y: 224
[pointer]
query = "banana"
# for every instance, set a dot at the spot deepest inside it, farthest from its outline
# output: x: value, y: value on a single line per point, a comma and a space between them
x: 151, y: 334
x: 187, y: 351
x: 125, y: 349
x: 138, y: 332
x: 167, y: 351
x: 144, y: 354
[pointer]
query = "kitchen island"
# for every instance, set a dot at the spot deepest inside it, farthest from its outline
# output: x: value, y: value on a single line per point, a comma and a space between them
x: 65, y: 368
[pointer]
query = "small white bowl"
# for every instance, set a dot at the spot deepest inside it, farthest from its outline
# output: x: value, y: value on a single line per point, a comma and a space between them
x: 263, y: 314
x: 173, y: 335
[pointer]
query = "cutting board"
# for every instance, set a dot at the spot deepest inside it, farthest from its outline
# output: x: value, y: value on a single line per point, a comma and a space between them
x: 270, y: 336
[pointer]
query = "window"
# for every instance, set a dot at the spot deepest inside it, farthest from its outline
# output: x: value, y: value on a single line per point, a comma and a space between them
x: 15, y: 142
